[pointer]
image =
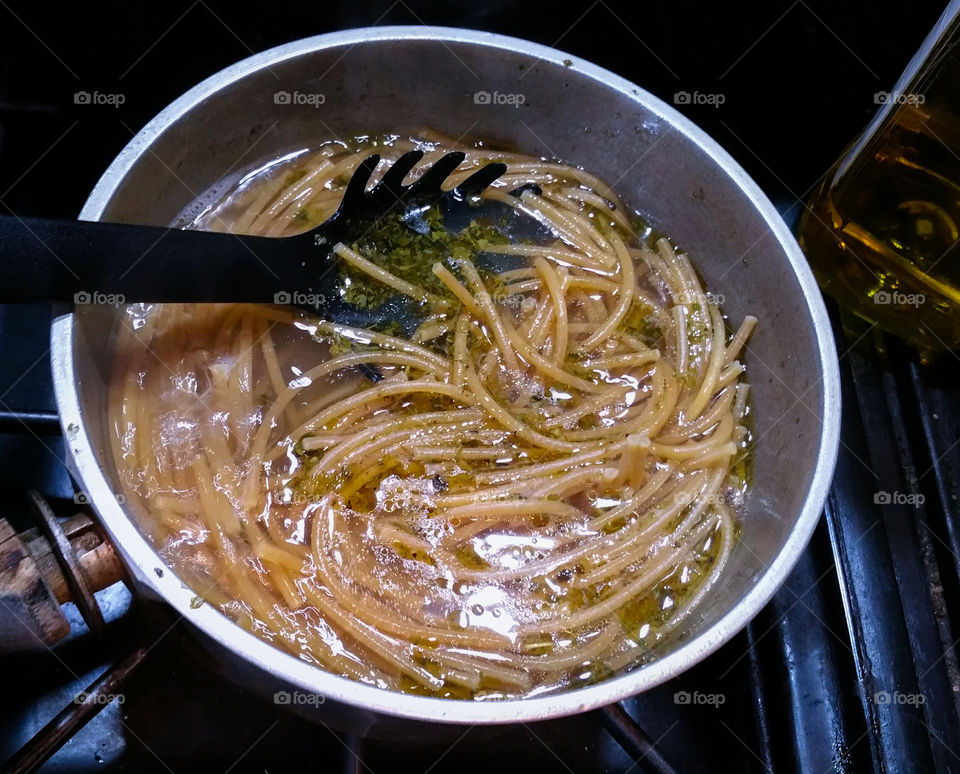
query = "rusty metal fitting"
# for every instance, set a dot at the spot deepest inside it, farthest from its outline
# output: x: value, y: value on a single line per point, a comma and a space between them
x: 46, y: 566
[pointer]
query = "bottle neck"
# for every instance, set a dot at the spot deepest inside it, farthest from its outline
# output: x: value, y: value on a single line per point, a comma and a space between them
x: 924, y: 63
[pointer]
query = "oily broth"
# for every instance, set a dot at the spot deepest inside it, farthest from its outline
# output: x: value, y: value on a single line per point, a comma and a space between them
x: 439, y: 606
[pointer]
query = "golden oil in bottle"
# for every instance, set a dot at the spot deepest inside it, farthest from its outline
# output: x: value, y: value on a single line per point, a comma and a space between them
x: 882, y: 231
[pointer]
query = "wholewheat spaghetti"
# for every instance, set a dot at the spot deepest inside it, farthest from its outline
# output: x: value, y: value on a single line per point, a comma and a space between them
x: 541, y: 484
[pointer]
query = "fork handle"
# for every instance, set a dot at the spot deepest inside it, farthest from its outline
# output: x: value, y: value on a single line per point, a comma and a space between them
x: 91, y: 262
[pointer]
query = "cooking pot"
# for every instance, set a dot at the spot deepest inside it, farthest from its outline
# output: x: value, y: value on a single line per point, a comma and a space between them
x: 544, y: 102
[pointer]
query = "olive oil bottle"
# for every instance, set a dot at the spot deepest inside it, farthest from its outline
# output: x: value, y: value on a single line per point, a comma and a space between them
x: 882, y: 232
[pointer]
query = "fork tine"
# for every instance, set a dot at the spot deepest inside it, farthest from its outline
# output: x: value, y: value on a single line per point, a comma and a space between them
x: 359, y: 209
x: 478, y: 181
x: 358, y: 203
x: 430, y: 181
x: 393, y: 178
x: 357, y: 186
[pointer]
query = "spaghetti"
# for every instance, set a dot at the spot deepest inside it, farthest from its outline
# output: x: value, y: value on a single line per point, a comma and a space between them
x: 540, y: 486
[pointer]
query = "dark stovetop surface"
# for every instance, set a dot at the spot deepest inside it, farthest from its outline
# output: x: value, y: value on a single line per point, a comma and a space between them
x: 871, y: 606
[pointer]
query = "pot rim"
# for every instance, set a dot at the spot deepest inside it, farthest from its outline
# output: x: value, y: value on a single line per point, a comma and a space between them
x: 140, y: 555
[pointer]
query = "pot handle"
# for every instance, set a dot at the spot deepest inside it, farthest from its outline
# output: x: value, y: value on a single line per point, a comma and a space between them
x: 41, y: 569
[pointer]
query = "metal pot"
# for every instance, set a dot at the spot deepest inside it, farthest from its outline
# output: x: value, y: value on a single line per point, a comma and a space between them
x: 546, y: 103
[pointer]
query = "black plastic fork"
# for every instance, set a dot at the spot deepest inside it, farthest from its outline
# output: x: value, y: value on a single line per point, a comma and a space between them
x: 96, y: 262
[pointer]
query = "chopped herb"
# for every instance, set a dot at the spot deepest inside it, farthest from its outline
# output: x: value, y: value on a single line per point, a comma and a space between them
x: 393, y: 244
